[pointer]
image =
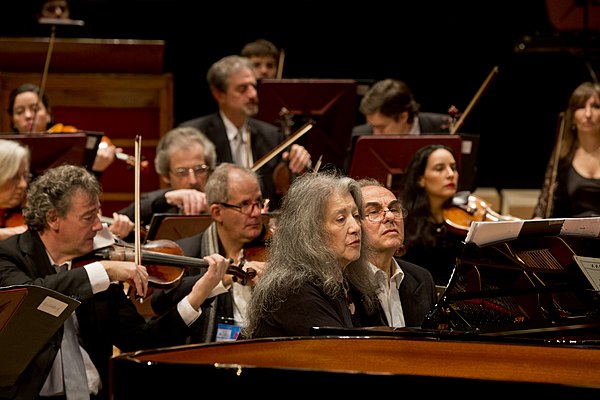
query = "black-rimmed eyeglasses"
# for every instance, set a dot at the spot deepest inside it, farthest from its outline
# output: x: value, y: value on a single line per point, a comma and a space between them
x: 246, y: 207
x: 198, y: 170
x: 378, y: 214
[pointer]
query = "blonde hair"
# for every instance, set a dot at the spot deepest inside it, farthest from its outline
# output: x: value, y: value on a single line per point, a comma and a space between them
x: 12, y: 154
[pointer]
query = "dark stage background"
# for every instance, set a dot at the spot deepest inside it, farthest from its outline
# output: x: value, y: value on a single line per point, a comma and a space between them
x: 442, y: 51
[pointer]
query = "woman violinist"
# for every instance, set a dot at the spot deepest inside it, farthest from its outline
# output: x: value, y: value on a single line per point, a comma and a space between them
x: 15, y: 159
x: 427, y: 188
x: 30, y: 114
x: 572, y: 181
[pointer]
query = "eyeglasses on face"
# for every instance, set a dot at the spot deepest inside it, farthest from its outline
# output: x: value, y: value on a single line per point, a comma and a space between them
x: 246, y: 207
x: 378, y: 214
x: 198, y: 170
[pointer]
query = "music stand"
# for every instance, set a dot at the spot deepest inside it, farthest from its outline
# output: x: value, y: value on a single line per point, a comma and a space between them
x: 330, y: 103
x: 50, y: 150
x: 385, y: 157
x: 29, y: 316
x: 178, y: 226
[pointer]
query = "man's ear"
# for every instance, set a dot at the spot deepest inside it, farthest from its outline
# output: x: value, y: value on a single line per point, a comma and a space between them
x: 52, y: 219
x: 215, y: 211
x: 166, y: 179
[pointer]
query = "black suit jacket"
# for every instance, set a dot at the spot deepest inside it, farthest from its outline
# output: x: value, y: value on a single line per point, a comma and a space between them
x: 417, y: 293
x: 151, y: 203
x: 264, y: 137
x: 105, y: 319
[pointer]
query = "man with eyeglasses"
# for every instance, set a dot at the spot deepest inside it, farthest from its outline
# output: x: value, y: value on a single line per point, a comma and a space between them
x: 184, y: 159
x: 407, y: 291
x: 236, y: 206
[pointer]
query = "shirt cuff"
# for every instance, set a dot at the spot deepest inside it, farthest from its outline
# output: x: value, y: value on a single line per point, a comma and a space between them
x: 98, y: 276
x: 219, y: 289
x: 187, y: 312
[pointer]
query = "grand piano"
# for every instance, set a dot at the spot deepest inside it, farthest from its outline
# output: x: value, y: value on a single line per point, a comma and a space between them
x: 520, y: 316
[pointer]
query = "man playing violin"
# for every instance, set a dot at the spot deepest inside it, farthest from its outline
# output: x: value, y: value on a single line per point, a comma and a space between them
x: 236, y: 205
x: 63, y: 224
x: 238, y: 137
x: 390, y: 108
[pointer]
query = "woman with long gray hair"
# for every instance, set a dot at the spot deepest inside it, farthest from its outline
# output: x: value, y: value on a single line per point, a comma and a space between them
x: 317, y: 274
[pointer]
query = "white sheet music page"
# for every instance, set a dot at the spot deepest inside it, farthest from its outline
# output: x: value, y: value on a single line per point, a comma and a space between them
x: 591, y: 269
x: 486, y: 232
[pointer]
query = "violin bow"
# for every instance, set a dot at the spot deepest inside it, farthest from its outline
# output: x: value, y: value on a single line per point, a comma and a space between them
x: 279, y: 148
x: 280, y: 63
x: 482, y: 88
x: 136, y: 202
x: 53, y: 22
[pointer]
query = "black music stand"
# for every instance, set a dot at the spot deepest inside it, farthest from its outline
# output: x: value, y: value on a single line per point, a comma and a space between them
x: 50, y: 150
x: 29, y: 316
x: 177, y: 226
x: 385, y: 157
x: 330, y: 103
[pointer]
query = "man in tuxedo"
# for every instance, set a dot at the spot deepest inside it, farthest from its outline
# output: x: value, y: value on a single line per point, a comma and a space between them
x: 238, y: 137
x: 407, y: 291
x: 63, y: 226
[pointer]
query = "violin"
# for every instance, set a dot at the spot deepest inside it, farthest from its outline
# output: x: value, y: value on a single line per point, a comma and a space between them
x: 465, y: 209
x: 164, y: 261
x: 256, y: 250
x: 282, y: 176
x: 11, y: 218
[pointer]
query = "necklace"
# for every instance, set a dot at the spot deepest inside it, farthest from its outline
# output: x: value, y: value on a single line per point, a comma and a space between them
x: 346, y: 288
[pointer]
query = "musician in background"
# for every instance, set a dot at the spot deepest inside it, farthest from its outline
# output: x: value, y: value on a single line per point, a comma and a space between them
x: 54, y: 9
x: 238, y: 137
x: 185, y: 157
x: 265, y: 56
x: 406, y: 291
x: 30, y: 114
x: 15, y: 160
x: 63, y: 224
x: 571, y: 185
x: 317, y: 274
x: 391, y: 109
x: 427, y: 187
x: 237, y: 232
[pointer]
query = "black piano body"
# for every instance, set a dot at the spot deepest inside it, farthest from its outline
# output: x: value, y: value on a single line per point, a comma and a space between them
x: 518, y: 315
x: 538, y: 285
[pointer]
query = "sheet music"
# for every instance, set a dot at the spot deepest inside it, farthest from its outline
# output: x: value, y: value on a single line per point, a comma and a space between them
x: 487, y: 232
x: 482, y: 233
x: 591, y: 269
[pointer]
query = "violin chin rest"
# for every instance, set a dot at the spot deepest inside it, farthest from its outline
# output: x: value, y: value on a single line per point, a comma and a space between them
x: 461, y: 198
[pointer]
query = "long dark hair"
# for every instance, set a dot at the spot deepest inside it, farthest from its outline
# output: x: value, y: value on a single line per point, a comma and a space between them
x: 414, y: 197
x: 24, y: 88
